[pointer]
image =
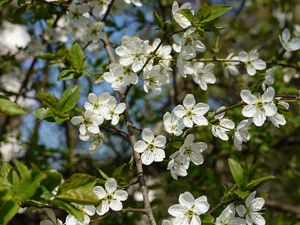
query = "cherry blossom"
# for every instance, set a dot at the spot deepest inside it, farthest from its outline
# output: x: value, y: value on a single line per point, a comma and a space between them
x: 228, y: 217
x: 88, y: 122
x: 259, y: 107
x: 191, y: 112
x: 290, y: 44
x: 151, y: 147
x: 178, y: 17
x: 173, y: 124
x: 203, y: 74
x: 251, y: 210
x: 252, y: 61
x: 189, y: 209
x: 110, y: 197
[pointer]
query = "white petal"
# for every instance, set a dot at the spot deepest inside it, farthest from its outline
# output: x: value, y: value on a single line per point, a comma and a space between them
x: 249, y: 110
x: 257, y: 218
x: 160, y: 141
x: 247, y: 97
x: 120, y: 108
x: 147, y: 135
x: 268, y: 95
x: 121, y: 195
x: 147, y: 157
x: 140, y: 146
x: 159, y: 155
x: 241, y: 210
x: 115, y: 205
x: 259, y: 64
x: 99, y: 191
x: 227, y: 123
x: 177, y: 211
x: 77, y: 120
x: 179, y: 111
x: 186, y: 199
x: 200, y: 108
x: 201, y: 205
x: 187, y: 122
x: 111, y: 185
x: 92, y: 98
x: 189, y: 101
x: 251, y: 70
x: 102, y: 208
x: 270, y: 109
x: 200, y: 120
x: 259, y: 118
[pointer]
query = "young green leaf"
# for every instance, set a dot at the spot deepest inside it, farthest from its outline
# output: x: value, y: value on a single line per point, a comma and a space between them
x: 10, y: 108
x: 76, y: 57
x: 237, y: 172
x: 69, y: 98
x: 252, y: 184
x: 7, y: 211
x: 215, y: 12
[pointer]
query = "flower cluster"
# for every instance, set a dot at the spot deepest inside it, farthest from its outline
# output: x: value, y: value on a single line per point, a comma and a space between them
x: 98, y: 109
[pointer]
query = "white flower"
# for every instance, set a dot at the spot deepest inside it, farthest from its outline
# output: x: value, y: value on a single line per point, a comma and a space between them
x: 151, y: 147
x: 76, y: 14
x: 132, y: 52
x: 96, y: 104
x: 203, y: 74
x: 135, y: 2
x: 259, y: 106
x: 269, y: 79
x: 113, y: 110
x: 178, y: 17
x: 96, y: 139
x: 52, y: 219
x: 225, y: 125
x: 230, y: 67
x: 241, y: 133
x: 88, y: 122
x: 119, y: 76
x: 177, y: 165
x: 189, y: 209
x: 95, y: 31
x: 278, y: 119
x: 173, y: 124
x: 252, y: 61
x: 191, y: 151
x: 227, y: 217
x: 154, y: 78
x: 191, y: 112
x: 110, y: 197
x: 290, y: 44
x: 253, y: 206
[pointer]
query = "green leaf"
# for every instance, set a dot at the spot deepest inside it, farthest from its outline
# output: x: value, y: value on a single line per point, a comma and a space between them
x: 242, y: 194
x: 208, y: 219
x: 237, y: 172
x: 79, y: 214
x: 252, y: 184
x: 10, y: 108
x: 69, y: 74
x: 79, y: 189
x: 76, y: 57
x: 118, y: 171
x: 69, y: 98
x: 48, y: 100
x: 215, y: 12
x: 7, y: 211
